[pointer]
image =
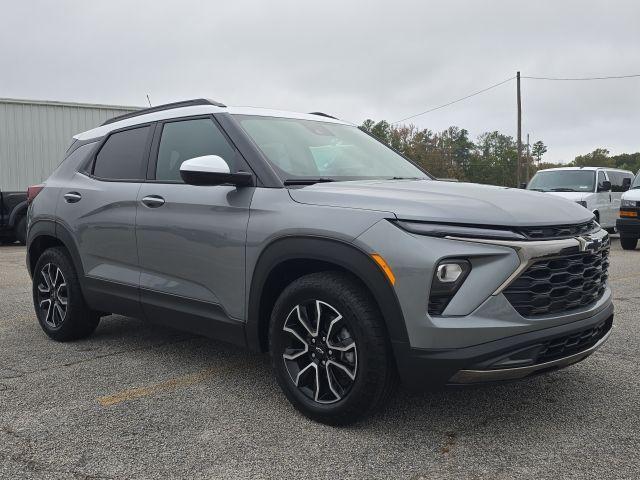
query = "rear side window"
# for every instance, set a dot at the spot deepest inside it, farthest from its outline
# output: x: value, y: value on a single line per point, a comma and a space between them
x: 122, y: 157
x: 185, y: 139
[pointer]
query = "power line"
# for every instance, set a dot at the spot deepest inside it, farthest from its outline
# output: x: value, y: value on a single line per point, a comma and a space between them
x: 455, y: 101
x: 580, y: 79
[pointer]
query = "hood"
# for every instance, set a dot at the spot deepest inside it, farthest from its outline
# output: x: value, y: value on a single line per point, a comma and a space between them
x: 438, y: 201
x: 573, y: 196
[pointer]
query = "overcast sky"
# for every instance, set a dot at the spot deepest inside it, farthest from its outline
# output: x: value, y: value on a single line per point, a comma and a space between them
x: 353, y: 59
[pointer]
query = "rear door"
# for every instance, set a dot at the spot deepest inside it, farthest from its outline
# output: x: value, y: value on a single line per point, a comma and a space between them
x: 604, y: 204
x: 98, y: 207
x: 191, y: 239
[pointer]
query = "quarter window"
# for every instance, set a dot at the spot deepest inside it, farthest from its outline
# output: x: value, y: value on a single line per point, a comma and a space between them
x: 122, y: 157
x: 187, y: 139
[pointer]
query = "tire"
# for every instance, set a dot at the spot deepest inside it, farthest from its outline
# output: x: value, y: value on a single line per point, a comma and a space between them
x: 350, y: 349
x: 54, y: 272
x: 21, y: 230
x: 628, y: 243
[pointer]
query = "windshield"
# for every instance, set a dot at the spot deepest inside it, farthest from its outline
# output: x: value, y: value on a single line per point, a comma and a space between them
x: 323, y: 151
x: 563, y: 181
x: 636, y: 181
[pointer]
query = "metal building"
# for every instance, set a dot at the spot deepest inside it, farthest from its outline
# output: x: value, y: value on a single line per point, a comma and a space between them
x: 35, y: 134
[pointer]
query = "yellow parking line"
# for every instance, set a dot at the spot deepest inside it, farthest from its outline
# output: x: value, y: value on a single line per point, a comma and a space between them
x: 166, y: 386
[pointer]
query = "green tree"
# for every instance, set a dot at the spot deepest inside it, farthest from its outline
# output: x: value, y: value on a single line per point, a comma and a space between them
x: 538, y: 150
x: 598, y: 158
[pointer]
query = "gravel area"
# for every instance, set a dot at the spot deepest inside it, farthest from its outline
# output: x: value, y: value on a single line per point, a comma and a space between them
x: 141, y: 401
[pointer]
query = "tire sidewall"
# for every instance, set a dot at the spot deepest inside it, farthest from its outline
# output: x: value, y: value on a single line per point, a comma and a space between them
x: 57, y: 258
x: 295, y: 295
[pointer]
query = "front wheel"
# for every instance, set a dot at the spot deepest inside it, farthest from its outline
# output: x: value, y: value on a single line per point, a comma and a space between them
x: 57, y: 298
x: 628, y: 243
x: 329, y: 349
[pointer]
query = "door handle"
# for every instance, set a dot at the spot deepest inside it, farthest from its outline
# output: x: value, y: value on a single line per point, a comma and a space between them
x: 153, y: 201
x: 72, y: 197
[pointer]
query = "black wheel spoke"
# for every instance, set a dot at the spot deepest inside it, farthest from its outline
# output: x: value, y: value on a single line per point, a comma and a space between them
x: 319, y: 352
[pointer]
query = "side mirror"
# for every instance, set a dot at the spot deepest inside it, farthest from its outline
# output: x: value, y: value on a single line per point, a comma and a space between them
x: 212, y: 170
x: 523, y: 185
x: 605, y: 186
x: 626, y: 184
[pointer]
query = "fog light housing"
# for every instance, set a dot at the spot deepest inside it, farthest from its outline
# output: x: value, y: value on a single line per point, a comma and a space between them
x: 448, y: 277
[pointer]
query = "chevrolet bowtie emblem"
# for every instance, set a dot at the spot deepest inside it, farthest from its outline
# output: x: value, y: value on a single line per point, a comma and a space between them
x: 588, y: 244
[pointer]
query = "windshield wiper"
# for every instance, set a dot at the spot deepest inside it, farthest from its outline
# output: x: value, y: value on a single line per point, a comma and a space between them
x: 407, y: 178
x: 536, y: 189
x: 633, y: 188
x: 307, y: 181
x: 562, y: 190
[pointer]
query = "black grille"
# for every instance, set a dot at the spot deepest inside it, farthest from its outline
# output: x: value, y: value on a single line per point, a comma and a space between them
x: 559, y: 231
x: 560, y: 284
x: 574, y: 343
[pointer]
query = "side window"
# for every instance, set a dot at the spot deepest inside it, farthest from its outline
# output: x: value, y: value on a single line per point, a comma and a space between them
x: 185, y: 139
x: 122, y: 157
x: 601, y: 178
x: 616, y: 181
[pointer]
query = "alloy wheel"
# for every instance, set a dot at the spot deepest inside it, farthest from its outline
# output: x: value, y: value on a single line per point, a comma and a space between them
x: 53, y: 295
x: 320, y: 352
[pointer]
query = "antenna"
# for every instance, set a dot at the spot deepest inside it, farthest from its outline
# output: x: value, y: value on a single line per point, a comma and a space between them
x: 148, y: 100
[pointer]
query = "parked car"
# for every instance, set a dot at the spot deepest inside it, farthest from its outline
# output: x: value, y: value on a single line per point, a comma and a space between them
x: 13, y: 217
x: 628, y: 224
x: 302, y: 235
x: 595, y: 188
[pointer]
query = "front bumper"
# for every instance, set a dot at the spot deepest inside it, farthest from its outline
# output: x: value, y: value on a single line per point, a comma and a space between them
x: 509, y: 358
x: 628, y: 227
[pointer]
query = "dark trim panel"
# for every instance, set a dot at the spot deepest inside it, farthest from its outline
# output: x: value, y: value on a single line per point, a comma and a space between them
x: 336, y: 252
x: 191, y: 315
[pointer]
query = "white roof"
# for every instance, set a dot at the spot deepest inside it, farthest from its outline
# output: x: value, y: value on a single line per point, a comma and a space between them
x: 199, y: 110
x: 584, y: 168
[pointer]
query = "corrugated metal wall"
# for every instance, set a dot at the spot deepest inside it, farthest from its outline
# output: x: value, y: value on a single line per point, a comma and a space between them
x: 35, y: 134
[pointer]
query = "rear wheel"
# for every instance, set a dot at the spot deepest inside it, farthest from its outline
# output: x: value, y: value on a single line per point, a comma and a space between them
x: 628, y: 243
x: 329, y: 349
x: 58, y: 301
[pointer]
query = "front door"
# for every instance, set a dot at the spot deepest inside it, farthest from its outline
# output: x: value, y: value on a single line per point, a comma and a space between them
x: 603, y: 201
x: 191, y: 239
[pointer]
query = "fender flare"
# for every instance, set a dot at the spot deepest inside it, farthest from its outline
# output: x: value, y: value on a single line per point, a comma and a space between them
x: 342, y: 254
x: 18, y: 210
x: 52, y: 228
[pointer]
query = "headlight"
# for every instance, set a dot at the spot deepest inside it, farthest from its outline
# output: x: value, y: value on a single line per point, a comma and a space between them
x: 582, y: 202
x: 448, y: 277
x: 628, y: 203
x: 444, y: 230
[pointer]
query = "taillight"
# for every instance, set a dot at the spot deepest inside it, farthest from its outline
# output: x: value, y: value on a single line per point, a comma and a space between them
x: 33, y: 191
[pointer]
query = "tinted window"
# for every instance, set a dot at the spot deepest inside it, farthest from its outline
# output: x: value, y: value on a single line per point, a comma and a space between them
x: 616, y: 181
x: 122, y: 157
x: 187, y: 139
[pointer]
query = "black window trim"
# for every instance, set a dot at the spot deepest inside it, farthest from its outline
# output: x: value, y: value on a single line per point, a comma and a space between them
x: 155, y: 148
x: 90, y: 165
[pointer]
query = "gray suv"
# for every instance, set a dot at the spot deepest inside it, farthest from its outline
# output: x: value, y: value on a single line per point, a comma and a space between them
x: 301, y: 235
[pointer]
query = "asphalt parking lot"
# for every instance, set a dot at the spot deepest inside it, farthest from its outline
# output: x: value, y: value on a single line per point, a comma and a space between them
x: 141, y: 401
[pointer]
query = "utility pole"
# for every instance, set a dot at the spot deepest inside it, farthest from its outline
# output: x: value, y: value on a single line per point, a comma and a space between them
x: 519, y: 130
x: 528, y: 160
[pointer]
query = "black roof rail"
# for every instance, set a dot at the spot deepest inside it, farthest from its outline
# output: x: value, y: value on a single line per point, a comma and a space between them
x: 323, y: 115
x: 166, y: 106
